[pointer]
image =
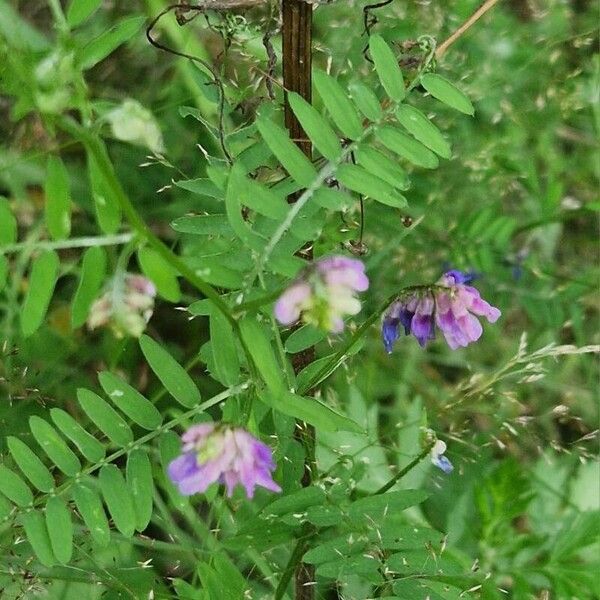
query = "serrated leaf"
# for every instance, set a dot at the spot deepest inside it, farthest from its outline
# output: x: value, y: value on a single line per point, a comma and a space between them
x: 99, y: 48
x: 445, y: 91
x: 54, y: 446
x: 171, y: 374
x: 286, y: 152
x: 108, y: 210
x: 141, y: 486
x: 58, y: 202
x: 90, y: 508
x: 203, y: 225
x: 14, y: 488
x: 303, y: 338
x: 88, y: 445
x: 8, y: 224
x: 366, y: 101
x: 93, y: 272
x: 60, y: 529
x: 416, y: 123
x: 130, y: 402
x: 407, y: 147
x: 386, y: 65
x: 80, y: 10
x: 382, y: 166
x: 224, y: 350
x: 339, y: 106
x: 118, y: 499
x: 108, y: 421
x: 31, y: 466
x: 360, y: 180
x: 316, y: 127
x: 311, y: 410
x: 37, y: 535
x: 160, y: 272
x: 42, y: 279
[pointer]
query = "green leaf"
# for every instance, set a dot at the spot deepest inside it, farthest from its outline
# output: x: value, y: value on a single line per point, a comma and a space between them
x: 311, y: 410
x: 263, y: 200
x: 445, y: 91
x: 37, y: 535
x: 286, y: 152
x: 407, y: 147
x: 8, y: 224
x: 93, y: 271
x: 14, y: 488
x: 60, y: 529
x: 332, y: 199
x: 379, y: 506
x: 386, y: 65
x: 258, y: 344
x: 105, y: 418
x: 158, y: 270
x: 88, y: 445
x: 80, y: 10
x: 171, y: 374
x: 339, y: 106
x: 316, y: 127
x: 366, y: 101
x: 118, y: 499
x: 203, y: 225
x: 359, y: 180
x: 130, y: 402
x: 382, y: 166
x: 5, y: 507
x: 58, y: 204
x: 303, y: 338
x: 295, y: 502
x: 201, y: 186
x: 141, y: 486
x: 54, y: 446
x: 224, y: 350
x: 42, y: 279
x: 99, y: 48
x: 416, y: 123
x: 90, y: 508
x: 106, y: 205
x: 31, y: 466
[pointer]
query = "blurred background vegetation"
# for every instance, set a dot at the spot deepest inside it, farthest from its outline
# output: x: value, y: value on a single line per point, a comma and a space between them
x: 518, y: 204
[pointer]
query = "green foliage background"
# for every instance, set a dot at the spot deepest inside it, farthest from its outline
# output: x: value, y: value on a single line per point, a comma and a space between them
x: 517, y: 203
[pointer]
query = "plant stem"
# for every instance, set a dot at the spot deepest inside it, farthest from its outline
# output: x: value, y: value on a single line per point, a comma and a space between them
x: 400, y: 474
x: 82, y: 242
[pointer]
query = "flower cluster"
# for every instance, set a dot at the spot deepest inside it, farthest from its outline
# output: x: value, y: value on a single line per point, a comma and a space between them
x: 324, y: 293
x: 222, y: 454
x: 126, y: 305
x: 450, y: 304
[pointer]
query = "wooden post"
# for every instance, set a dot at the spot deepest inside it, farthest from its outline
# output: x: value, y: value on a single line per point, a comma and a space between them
x: 297, y: 64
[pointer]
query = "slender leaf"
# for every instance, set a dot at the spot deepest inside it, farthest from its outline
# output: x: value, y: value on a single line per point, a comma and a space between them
x: 129, y: 401
x: 3, y: 271
x: 93, y: 272
x: 88, y: 445
x: 31, y: 466
x: 42, y: 279
x: 382, y: 166
x: 263, y: 200
x: 156, y: 268
x: 416, y: 123
x: 339, y: 106
x: 366, y: 101
x: 60, y: 528
x: 105, y: 418
x: 80, y: 10
x: 378, y: 506
x: 445, y: 91
x: 360, y: 180
x: 316, y: 127
x: 90, y: 508
x: 203, y: 225
x: 8, y: 224
x: 303, y: 338
x: 37, y: 535
x: 106, y: 205
x: 54, y: 446
x: 224, y: 350
x: 171, y: 374
x: 407, y: 147
x: 58, y: 202
x: 386, y: 65
x: 332, y: 199
x: 141, y: 486
x: 14, y: 488
x: 118, y: 499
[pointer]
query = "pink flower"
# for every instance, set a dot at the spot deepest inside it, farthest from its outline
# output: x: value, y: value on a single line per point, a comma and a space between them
x: 228, y: 455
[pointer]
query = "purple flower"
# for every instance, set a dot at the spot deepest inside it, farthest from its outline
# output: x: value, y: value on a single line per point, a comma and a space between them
x: 324, y: 293
x: 449, y: 304
x: 227, y: 455
x: 438, y: 458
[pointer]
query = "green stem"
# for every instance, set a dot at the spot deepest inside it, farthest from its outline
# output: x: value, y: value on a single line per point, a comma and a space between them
x: 402, y: 472
x: 295, y: 558
x: 82, y: 242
